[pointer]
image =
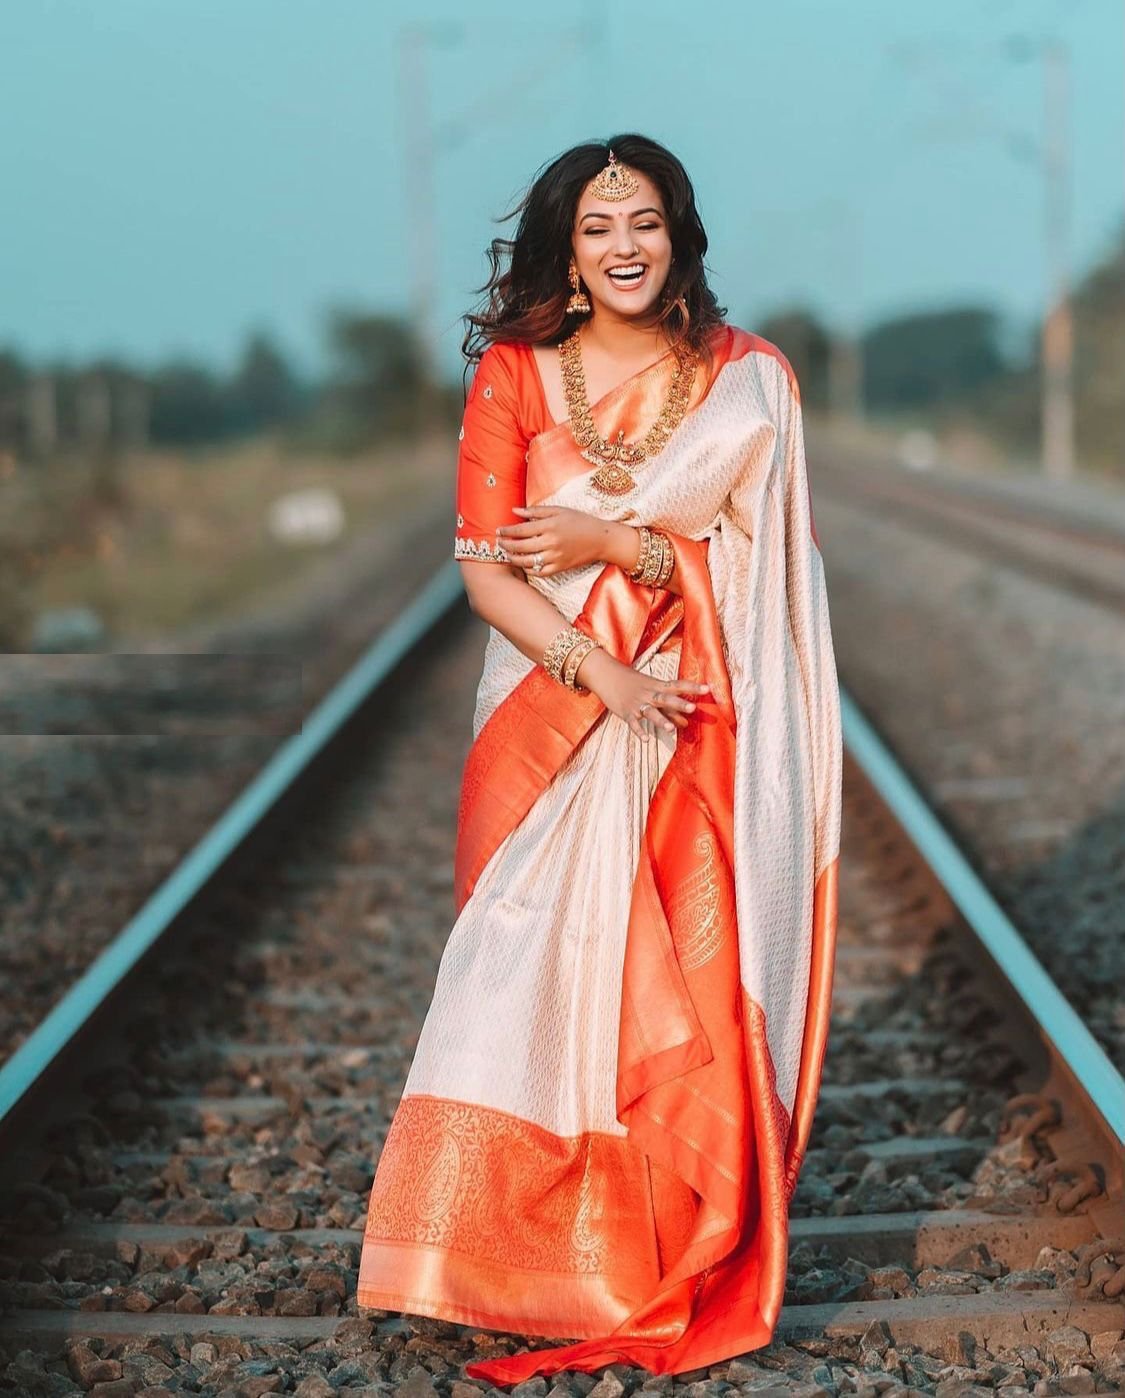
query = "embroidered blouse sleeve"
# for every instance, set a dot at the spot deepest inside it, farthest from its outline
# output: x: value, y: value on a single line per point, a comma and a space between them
x: 491, y: 460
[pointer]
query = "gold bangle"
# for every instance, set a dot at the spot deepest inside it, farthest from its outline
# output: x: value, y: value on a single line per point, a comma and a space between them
x: 574, y: 659
x: 637, y: 571
x: 655, y: 560
x: 558, y: 648
x: 565, y: 653
x: 667, y: 559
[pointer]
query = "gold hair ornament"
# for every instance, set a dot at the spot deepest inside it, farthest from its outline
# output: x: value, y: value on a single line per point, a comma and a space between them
x: 614, y: 181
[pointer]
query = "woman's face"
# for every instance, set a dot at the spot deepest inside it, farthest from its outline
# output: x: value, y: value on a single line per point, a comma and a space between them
x: 627, y: 234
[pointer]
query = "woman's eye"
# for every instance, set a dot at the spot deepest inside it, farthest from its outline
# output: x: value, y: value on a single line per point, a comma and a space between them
x: 643, y: 226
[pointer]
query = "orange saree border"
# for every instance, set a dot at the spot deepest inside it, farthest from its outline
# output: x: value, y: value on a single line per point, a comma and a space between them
x: 596, y: 1223
x: 695, y: 1083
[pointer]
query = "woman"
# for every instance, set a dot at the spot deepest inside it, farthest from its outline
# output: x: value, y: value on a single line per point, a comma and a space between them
x: 612, y: 1094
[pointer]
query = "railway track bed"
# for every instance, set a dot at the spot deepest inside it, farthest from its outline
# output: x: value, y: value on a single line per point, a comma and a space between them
x: 185, y: 1213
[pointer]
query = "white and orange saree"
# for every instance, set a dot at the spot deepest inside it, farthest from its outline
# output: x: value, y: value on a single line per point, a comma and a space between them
x: 614, y: 1085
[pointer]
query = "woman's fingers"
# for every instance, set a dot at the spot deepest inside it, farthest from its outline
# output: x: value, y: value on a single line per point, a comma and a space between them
x: 674, y: 701
x: 654, y: 710
x: 530, y: 544
x: 524, y: 552
x: 667, y: 707
x: 529, y: 551
x: 527, y: 529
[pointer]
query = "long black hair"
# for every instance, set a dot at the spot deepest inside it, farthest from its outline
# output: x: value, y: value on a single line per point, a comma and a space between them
x: 527, y: 301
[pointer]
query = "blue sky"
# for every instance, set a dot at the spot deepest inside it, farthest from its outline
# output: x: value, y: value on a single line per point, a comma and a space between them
x: 179, y: 171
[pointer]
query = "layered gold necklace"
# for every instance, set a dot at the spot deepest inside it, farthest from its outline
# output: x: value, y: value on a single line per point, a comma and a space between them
x: 613, y: 459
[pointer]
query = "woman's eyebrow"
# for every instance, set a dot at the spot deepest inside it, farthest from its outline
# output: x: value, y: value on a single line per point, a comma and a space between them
x: 594, y: 213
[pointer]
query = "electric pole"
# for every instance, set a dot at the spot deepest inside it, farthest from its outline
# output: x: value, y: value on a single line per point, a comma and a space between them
x: 1057, y: 349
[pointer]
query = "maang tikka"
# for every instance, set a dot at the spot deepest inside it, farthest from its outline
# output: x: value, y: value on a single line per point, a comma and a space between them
x: 613, y: 181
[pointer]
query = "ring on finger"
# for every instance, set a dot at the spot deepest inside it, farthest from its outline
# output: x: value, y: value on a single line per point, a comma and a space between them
x: 537, y: 563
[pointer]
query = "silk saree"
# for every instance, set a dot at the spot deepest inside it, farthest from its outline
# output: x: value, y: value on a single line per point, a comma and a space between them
x: 613, y: 1089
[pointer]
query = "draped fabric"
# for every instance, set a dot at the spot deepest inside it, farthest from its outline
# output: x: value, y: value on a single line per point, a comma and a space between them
x: 614, y: 1085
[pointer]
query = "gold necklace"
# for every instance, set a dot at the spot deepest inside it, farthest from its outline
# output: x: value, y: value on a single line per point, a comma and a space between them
x: 613, y: 458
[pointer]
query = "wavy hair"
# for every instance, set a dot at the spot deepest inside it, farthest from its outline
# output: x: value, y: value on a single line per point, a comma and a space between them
x: 526, y: 301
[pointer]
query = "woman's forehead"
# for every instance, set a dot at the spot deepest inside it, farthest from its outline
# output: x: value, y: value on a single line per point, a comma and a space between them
x: 647, y: 197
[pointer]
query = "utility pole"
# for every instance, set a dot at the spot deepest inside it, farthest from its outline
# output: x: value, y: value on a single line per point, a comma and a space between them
x: 845, y: 353
x: 423, y: 141
x: 1052, y: 160
x: 416, y: 144
x: 1057, y: 348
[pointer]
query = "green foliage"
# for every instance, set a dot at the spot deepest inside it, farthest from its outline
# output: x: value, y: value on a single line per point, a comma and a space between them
x: 918, y: 360
x: 804, y: 341
x: 191, y: 403
x: 950, y: 366
x: 378, y: 386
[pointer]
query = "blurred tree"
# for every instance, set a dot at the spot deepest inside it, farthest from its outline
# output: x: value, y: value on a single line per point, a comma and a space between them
x: 378, y: 385
x: 264, y: 392
x: 804, y: 341
x: 1009, y: 406
x: 917, y: 360
x: 189, y: 404
x: 14, y: 375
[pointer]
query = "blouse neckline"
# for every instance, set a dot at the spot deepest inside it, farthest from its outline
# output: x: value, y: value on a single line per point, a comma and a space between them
x: 608, y: 395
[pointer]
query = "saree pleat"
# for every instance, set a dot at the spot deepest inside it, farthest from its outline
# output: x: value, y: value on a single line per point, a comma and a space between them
x: 614, y: 1087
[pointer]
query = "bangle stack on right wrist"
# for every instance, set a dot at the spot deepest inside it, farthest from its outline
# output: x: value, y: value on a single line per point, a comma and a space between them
x: 565, y: 653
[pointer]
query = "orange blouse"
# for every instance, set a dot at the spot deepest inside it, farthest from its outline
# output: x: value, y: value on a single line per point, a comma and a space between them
x: 506, y: 409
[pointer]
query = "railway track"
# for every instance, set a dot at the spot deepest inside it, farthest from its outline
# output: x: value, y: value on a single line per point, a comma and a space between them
x: 1069, y: 550
x: 187, y: 1149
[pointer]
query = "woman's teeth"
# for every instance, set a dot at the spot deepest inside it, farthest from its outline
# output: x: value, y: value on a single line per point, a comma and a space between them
x: 632, y: 275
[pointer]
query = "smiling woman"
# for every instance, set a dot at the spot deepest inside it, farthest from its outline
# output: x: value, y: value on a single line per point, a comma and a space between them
x: 613, y: 1088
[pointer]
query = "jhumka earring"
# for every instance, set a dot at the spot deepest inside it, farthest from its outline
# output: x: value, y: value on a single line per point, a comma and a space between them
x: 579, y: 301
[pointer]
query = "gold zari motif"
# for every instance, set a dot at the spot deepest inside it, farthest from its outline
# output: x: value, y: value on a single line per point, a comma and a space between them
x: 697, y: 928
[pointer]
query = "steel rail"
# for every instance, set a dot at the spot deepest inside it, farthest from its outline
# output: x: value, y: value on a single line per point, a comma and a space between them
x: 1083, y: 1056
x: 81, y: 1001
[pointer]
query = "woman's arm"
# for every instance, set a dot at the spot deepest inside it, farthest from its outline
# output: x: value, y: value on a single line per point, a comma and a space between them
x: 501, y: 596
x: 570, y: 539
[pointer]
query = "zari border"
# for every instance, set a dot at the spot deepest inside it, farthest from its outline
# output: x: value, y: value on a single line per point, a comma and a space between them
x: 412, y: 1275
x: 481, y: 551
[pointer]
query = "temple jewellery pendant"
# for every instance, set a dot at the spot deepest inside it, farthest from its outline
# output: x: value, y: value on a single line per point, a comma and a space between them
x: 613, y: 458
x: 611, y: 478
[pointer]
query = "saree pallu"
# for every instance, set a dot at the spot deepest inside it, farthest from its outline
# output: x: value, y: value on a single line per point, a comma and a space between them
x: 613, y: 1089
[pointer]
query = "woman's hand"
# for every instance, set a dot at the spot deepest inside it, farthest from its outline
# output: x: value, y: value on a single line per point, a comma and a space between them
x: 637, y: 697
x: 551, y: 539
